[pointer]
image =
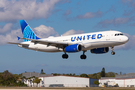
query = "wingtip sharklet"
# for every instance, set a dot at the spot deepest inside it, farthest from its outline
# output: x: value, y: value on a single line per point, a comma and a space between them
x: 18, y: 37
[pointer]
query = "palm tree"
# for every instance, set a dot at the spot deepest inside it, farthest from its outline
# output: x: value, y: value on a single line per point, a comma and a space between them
x: 36, y: 80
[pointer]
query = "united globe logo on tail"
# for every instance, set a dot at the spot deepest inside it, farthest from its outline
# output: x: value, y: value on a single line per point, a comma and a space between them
x: 27, y: 31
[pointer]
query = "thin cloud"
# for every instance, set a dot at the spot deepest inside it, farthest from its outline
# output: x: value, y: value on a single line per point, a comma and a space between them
x: 127, y: 1
x: 112, y: 9
x: 127, y: 13
x: 43, y: 31
x: 87, y: 15
x: 114, y: 22
x: 90, y: 15
x: 130, y: 7
x: 68, y: 12
x: 10, y: 37
x: 71, y: 32
x: 12, y: 10
x: 6, y: 28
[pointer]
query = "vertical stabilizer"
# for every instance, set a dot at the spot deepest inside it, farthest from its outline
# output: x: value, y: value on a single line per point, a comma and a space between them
x: 27, y: 31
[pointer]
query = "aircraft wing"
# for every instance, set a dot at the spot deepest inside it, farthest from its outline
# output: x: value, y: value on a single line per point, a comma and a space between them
x: 49, y: 43
x: 19, y: 43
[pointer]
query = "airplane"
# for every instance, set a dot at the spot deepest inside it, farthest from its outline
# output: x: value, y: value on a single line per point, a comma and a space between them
x: 96, y: 42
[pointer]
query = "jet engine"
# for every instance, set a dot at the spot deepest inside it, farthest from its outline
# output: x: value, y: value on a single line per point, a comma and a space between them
x: 73, y: 48
x: 100, y: 50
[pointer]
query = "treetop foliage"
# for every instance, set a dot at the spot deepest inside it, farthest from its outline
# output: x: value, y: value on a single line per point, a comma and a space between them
x: 36, y: 80
x: 9, y: 79
x: 94, y: 76
x: 103, y: 72
x: 42, y: 72
x: 96, y: 82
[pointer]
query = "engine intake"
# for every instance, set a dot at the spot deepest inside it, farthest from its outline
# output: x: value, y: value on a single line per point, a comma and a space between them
x: 73, y: 48
x: 100, y: 50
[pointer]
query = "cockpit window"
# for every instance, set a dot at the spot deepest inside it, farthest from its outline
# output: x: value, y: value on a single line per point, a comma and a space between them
x: 119, y: 34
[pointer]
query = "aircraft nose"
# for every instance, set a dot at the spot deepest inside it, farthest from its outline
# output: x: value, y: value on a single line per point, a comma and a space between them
x: 126, y: 39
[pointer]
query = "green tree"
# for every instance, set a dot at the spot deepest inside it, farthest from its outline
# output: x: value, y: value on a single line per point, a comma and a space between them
x: 70, y: 74
x: 95, y: 75
x: 73, y: 74
x: 103, y: 72
x: 83, y: 75
x: 110, y: 74
x: 96, y: 82
x: 36, y: 80
x: 9, y: 79
x: 42, y: 72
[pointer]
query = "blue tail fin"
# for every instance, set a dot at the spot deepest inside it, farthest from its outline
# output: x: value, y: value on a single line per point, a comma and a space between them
x: 27, y: 31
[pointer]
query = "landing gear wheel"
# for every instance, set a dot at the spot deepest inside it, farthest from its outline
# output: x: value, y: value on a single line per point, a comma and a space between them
x: 64, y: 56
x: 113, y: 53
x: 83, y: 56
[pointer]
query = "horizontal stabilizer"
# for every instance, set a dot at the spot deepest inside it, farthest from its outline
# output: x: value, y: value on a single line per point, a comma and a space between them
x: 18, y: 43
x: 13, y: 43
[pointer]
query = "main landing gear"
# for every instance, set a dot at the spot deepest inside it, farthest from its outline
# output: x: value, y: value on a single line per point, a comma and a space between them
x: 113, y: 53
x: 83, y: 56
x: 65, y: 56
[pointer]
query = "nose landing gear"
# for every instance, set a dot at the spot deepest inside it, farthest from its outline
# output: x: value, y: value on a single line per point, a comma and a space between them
x: 113, y: 53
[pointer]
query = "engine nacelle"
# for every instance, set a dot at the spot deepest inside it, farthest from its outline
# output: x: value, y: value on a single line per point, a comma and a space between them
x: 73, y: 48
x: 100, y: 50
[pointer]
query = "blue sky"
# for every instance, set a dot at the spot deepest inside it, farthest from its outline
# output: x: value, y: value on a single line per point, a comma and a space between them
x: 65, y: 17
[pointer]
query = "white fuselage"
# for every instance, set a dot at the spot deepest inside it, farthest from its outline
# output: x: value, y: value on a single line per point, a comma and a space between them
x: 88, y: 41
